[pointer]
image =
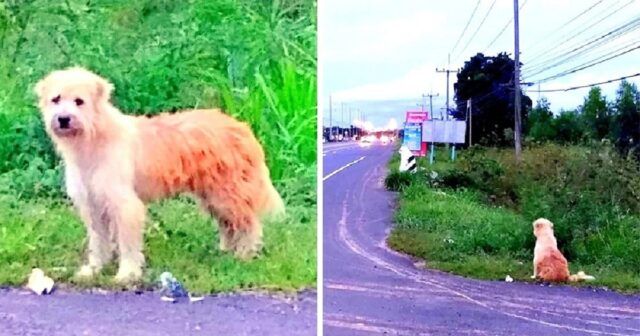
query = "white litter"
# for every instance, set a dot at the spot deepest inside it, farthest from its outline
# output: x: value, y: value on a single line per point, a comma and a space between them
x: 508, y: 279
x: 167, y: 299
x: 195, y: 298
x: 40, y: 283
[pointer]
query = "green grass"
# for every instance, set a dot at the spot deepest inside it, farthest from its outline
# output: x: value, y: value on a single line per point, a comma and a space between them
x: 456, y: 230
x: 254, y: 59
x: 179, y: 238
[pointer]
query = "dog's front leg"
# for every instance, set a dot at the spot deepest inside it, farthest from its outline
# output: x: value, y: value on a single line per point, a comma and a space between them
x: 100, y: 248
x: 127, y: 215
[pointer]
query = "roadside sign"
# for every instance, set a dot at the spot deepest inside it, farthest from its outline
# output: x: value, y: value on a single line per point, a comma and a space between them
x: 413, y: 132
x: 416, y: 116
x: 444, y: 131
x: 413, y: 139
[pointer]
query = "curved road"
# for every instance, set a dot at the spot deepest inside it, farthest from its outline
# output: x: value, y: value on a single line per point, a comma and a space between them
x: 369, y: 289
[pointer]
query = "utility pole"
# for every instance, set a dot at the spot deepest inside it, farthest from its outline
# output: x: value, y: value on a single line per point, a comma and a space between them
x: 330, y: 119
x: 470, y: 119
x: 447, y: 71
x: 516, y: 81
x: 538, y: 91
x: 430, y: 95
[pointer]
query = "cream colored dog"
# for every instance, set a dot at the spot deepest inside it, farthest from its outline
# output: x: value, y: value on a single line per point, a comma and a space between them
x: 115, y: 163
x: 548, y: 262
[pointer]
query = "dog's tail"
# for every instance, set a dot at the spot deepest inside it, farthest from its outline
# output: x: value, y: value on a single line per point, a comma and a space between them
x: 581, y: 276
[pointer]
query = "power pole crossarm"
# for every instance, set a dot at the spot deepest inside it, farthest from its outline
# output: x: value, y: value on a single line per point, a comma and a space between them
x: 430, y: 95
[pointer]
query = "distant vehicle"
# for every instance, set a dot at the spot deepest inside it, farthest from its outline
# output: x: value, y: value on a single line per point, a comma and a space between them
x: 367, y: 140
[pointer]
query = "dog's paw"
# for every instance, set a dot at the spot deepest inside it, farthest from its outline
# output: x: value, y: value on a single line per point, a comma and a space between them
x: 249, y: 253
x: 127, y: 275
x: 533, y: 276
x: 86, y: 272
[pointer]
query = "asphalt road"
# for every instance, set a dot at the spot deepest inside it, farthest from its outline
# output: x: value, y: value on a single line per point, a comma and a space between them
x: 127, y: 313
x: 370, y: 289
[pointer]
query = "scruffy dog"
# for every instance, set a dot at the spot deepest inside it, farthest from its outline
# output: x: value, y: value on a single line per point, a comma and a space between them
x: 115, y: 163
x: 548, y: 262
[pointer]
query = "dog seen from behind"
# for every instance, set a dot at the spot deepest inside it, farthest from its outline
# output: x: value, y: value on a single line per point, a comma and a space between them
x: 115, y: 163
x: 548, y: 262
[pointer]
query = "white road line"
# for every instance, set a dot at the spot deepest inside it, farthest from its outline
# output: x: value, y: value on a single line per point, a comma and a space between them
x: 342, y: 168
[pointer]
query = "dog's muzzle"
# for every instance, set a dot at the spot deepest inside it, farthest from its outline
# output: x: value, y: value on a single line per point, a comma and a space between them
x: 64, y: 125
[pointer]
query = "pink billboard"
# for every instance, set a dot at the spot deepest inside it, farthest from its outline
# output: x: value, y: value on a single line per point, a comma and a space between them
x: 416, y: 116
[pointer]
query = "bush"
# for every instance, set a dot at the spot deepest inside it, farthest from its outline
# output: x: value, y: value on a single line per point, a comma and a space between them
x: 397, y: 181
x: 586, y: 191
x: 256, y: 60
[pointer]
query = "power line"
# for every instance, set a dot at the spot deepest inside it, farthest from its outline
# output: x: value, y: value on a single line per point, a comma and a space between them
x: 504, y: 28
x: 532, y: 72
x: 612, y: 50
x: 550, y: 54
x: 565, y: 24
x: 580, y: 50
x: 477, y: 29
x: 589, y: 85
x: 568, y: 72
x: 466, y: 26
x: 612, y: 34
x: 625, y: 46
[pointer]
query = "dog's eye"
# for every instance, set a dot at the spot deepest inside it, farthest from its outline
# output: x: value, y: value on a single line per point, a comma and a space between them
x: 79, y: 102
x: 55, y: 99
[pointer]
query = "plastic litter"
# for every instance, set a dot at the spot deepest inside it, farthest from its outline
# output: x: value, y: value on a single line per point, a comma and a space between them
x: 508, y: 279
x: 39, y: 283
x: 172, y: 289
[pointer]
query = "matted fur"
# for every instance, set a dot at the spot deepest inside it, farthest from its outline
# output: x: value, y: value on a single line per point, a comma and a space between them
x: 548, y: 262
x: 115, y: 163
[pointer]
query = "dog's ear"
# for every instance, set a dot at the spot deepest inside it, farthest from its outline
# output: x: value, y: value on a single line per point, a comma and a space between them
x: 40, y: 88
x: 103, y: 89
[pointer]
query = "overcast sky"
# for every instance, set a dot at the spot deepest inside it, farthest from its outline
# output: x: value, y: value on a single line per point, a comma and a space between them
x: 379, y: 56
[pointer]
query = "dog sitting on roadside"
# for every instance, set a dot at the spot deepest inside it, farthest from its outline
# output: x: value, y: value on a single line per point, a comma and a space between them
x: 115, y: 163
x: 548, y: 262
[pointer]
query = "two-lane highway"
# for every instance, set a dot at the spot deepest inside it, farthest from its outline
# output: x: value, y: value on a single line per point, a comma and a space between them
x: 369, y: 289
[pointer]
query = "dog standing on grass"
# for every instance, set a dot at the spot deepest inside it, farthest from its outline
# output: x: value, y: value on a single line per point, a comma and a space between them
x: 115, y: 163
x: 548, y: 262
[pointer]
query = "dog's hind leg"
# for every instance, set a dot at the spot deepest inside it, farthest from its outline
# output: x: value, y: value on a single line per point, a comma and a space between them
x: 244, y: 241
x: 240, y: 232
x: 248, y: 241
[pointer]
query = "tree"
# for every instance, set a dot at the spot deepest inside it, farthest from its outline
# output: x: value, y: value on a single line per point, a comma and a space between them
x: 568, y: 127
x: 488, y: 82
x: 596, y: 114
x: 540, y: 125
x: 626, y: 130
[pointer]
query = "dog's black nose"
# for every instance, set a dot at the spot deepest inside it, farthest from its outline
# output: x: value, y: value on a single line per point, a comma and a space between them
x: 64, y: 122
